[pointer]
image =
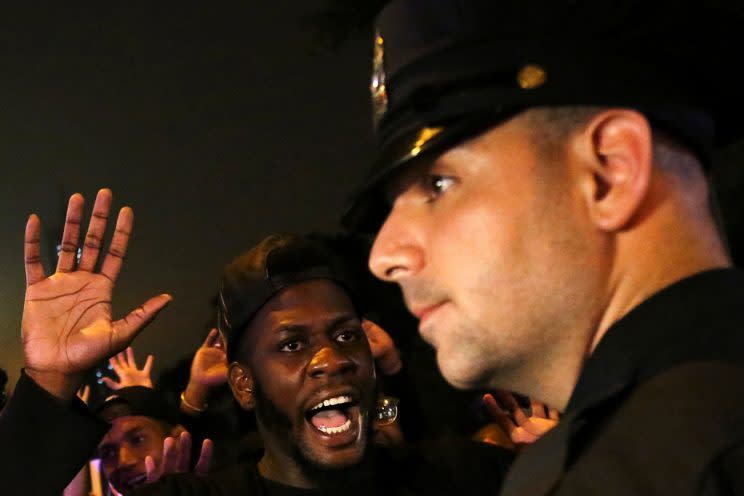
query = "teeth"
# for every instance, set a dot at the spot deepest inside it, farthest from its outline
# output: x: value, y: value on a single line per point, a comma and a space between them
x: 336, y: 430
x: 338, y: 400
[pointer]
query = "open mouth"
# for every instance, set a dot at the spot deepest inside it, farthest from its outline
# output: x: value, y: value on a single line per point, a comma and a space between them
x: 336, y: 417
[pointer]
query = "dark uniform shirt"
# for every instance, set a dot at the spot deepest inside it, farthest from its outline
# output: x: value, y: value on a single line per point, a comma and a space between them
x: 658, y: 407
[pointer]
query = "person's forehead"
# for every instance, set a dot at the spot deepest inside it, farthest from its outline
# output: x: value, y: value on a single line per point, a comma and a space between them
x: 120, y: 426
x: 304, y: 303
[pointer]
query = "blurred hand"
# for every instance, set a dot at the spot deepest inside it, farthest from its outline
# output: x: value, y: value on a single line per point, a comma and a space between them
x: 84, y: 394
x: 209, y: 368
x: 522, y: 430
x: 177, y: 457
x: 67, y: 328
x: 125, y: 367
x: 383, y: 348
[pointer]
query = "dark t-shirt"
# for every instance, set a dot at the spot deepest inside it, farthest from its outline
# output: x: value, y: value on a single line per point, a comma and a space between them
x: 445, y: 467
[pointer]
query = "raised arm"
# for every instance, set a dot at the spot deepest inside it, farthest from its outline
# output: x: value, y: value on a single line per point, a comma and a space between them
x: 67, y: 329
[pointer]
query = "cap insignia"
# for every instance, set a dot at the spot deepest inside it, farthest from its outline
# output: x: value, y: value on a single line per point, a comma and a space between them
x: 531, y: 76
x: 377, y: 84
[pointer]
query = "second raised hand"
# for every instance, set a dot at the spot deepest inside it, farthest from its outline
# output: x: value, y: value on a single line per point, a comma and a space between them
x: 67, y: 326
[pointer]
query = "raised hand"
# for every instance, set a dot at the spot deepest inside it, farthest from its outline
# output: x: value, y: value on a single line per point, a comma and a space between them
x: 522, y: 430
x: 177, y: 457
x: 84, y: 394
x: 383, y: 348
x: 125, y: 367
x: 208, y: 370
x: 67, y: 326
x: 209, y: 367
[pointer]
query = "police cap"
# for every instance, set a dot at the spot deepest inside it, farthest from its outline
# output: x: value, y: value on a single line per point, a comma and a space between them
x: 446, y: 70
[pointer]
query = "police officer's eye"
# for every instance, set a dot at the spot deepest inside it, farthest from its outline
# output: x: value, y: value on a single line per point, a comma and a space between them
x: 436, y: 185
x: 294, y: 345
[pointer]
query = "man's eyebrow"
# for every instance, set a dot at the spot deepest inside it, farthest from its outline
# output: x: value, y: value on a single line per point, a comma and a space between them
x: 335, y: 321
x: 343, y: 319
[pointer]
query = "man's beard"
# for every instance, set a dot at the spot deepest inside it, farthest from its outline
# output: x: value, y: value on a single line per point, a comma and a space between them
x: 280, y: 425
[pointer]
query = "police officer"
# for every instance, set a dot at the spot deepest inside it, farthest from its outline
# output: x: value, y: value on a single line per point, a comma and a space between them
x: 540, y: 196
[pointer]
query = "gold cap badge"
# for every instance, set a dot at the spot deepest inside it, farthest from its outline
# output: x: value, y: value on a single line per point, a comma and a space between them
x: 531, y: 76
x: 377, y: 84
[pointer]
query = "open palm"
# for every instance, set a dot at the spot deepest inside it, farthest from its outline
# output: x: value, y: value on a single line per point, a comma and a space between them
x: 67, y: 325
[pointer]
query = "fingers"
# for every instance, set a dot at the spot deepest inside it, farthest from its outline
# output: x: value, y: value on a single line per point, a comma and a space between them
x: 211, y: 338
x: 70, y: 234
x: 127, y: 328
x: 96, y: 231
x: 130, y: 361
x: 184, y: 452
x: 148, y: 364
x: 111, y: 384
x: 553, y: 414
x: 32, y: 251
x: 502, y: 418
x: 509, y: 402
x: 151, y: 472
x: 205, y: 458
x: 170, y: 456
x: 117, y: 364
x: 84, y: 394
x: 118, y: 248
x: 538, y: 409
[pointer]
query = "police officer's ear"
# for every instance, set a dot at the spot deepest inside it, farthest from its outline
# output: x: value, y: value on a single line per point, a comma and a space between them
x: 241, y: 384
x: 615, y: 157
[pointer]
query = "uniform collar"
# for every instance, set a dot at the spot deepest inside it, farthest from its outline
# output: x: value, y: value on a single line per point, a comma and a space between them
x: 689, y: 320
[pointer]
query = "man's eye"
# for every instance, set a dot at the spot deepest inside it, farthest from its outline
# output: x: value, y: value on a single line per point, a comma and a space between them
x: 290, y: 346
x: 137, y: 440
x: 438, y: 185
x: 347, y: 336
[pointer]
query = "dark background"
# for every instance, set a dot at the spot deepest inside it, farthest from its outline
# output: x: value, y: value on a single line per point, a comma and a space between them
x: 218, y: 124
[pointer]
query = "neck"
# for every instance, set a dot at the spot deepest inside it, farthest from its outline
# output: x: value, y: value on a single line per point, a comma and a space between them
x: 286, y: 469
x: 281, y: 468
x: 679, y: 239
x: 671, y: 240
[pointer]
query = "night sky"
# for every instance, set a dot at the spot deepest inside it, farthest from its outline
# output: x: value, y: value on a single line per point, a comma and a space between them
x: 218, y: 124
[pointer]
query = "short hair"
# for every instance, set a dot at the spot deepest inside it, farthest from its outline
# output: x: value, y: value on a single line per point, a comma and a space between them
x: 553, y: 125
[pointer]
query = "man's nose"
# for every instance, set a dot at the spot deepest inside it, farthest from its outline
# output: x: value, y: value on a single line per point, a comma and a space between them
x: 396, y: 253
x: 330, y: 360
x: 127, y: 458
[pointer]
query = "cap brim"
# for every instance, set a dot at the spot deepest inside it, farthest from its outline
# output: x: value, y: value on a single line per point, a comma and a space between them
x: 368, y: 206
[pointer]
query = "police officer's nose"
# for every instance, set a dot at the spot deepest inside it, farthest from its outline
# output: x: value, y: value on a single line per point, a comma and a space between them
x: 395, y: 255
x: 330, y: 361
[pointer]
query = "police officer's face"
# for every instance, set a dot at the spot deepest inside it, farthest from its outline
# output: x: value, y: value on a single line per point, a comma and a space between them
x: 313, y: 376
x: 486, y: 244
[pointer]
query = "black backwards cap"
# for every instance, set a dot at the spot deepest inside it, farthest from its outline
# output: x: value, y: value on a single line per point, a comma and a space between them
x: 277, y: 262
x: 446, y: 70
x: 137, y: 401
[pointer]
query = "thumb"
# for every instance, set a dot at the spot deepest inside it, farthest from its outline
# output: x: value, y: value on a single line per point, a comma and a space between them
x: 127, y: 328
